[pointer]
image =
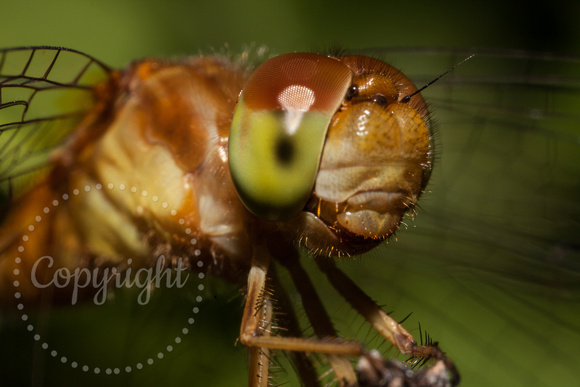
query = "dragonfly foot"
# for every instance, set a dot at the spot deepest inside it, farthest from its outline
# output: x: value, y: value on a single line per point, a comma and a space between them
x: 374, y: 371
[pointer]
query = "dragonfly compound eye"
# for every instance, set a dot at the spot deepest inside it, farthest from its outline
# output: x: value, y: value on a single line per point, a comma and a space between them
x: 278, y: 131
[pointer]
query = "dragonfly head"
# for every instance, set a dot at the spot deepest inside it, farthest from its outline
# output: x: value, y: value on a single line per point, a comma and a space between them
x: 331, y: 147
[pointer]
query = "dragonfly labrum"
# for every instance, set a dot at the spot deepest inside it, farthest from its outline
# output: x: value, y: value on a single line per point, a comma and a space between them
x: 211, y: 166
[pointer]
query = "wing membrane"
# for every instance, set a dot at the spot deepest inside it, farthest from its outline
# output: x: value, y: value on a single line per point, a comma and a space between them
x: 44, y: 92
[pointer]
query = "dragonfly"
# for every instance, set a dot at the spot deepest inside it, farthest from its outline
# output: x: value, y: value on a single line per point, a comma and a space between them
x: 472, y: 115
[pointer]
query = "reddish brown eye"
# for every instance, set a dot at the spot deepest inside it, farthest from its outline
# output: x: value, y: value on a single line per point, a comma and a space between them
x: 278, y: 131
x: 297, y: 81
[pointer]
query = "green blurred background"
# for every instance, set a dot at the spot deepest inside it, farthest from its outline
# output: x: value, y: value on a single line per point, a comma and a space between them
x: 120, y: 31
x: 473, y: 267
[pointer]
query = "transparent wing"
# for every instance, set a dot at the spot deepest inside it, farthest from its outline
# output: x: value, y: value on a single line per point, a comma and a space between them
x: 44, y: 92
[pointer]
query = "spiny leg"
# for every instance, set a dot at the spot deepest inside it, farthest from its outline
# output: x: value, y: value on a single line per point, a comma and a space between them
x: 288, y: 322
x: 381, y: 321
x: 253, y: 335
x: 259, y: 357
x: 317, y: 315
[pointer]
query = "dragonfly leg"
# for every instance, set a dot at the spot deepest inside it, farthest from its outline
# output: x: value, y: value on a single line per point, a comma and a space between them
x: 317, y: 315
x: 287, y: 321
x: 259, y: 356
x: 374, y: 371
x: 253, y: 335
x: 381, y: 321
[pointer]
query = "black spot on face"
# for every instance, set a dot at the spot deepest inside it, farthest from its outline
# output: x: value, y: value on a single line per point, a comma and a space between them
x: 351, y: 92
x: 379, y: 100
x: 285, y: 150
